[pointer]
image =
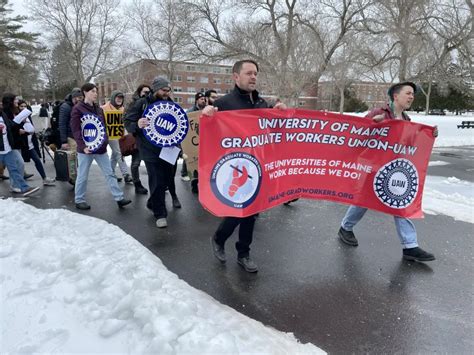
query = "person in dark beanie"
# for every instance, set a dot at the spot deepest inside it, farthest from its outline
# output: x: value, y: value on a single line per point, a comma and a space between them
x: 244, y: 96
x: 160, y: 172
x: 401, y: 97
x: 85, y: 156
x: 67, y: 139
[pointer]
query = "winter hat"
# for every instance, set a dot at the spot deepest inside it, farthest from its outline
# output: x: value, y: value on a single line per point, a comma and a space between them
x: 395, y: 86
x: 160, y: 83
x: 199, y: 95
x: 76, y: 92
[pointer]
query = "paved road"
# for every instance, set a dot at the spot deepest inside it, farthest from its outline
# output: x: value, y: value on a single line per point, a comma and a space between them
x: 343, y: 299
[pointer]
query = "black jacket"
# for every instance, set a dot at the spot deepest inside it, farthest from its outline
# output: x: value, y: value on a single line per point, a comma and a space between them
x: 65, y: 119
x: 148, y: 151
x: 14, y: 129
x: 11, y: 127
x: 25, y: 148
x: 240, y: 100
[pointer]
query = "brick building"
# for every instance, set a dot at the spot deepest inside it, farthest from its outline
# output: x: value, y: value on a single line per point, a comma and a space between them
x: 188, y: 79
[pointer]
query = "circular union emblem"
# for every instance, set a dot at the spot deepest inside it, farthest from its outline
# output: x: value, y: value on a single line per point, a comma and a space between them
x: 236, y: 179
x: 168, y: 124
x: 93, y: 131
x: 396, y: 183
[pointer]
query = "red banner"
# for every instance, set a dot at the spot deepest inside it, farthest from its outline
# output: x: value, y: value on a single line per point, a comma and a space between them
x: 253, y: 160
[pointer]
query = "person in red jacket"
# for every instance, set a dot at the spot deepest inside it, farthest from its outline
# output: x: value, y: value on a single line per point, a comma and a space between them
x: 401, y: 97
x: 83, y: 112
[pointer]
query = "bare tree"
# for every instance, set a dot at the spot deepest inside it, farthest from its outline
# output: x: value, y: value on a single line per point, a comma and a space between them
x: 89, y: 29
x: 286, y: 37
x: 167, y: 36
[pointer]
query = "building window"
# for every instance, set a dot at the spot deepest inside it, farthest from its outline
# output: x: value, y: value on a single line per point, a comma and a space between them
x: 204, y: 80
x: 177, y: 78
x: 177, y: 89
x: 302, y: 103
x: 190, y: 68
x: 218, y: 90
x: 217, y: 81
x: 191, y: 79
x: 191, y: 89
x: 190, y: 100
x: 216, y: 70
x: 228, y: 70
x: 178, y: 99
x: 228, y: 81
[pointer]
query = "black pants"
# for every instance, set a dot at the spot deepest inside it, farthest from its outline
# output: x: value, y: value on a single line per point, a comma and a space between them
x: 135, y: 167
x: 227, y: 227
x: 160, y: 175
x: 184, y: 169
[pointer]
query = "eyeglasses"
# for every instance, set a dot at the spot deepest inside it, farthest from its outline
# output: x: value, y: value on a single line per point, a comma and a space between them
x: 146, y: 92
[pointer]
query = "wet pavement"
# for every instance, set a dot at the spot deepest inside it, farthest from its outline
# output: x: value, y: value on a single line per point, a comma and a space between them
x: 342, y: 299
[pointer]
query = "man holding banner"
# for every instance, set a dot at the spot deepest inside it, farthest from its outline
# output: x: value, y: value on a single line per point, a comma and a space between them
x: 244, y: 96
x: 401, y: 96
x: 113, y: 111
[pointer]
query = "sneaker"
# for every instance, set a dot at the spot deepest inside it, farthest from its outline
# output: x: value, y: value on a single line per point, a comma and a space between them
x: 123, y: 202
x: 247, y: 264
x: 83, y: 206
x: 128, y: 179
x: 27, y: 176
x: 30, y: 190
x: 348, y: 237
x: 16, y: 190
x: 161, y: 223
x: 185, y: 178
x: 417, y: 254
x: 176, y: 203
x: 139, y: 189
x: 218, y: 251
x: 49, y: 181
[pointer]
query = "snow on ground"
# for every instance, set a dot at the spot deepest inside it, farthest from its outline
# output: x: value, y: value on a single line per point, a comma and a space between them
x: 449, y: 133
x: 76, y: 284
x: 449, y: 196
x: 438, y: 163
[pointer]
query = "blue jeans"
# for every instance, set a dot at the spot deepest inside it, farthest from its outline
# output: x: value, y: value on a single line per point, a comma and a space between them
x: 85, y: 161
x: 405, y: 228
x: 116, y: 157
x: 10, y: 160
x: 20, y: 165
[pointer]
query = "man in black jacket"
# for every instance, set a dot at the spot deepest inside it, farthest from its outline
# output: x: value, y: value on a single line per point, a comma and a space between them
x: 67, y: 140
x: 244, y: 96
x: 160, y: 172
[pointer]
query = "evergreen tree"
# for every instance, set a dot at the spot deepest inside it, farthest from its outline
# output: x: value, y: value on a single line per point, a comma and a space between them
x: 18, y: 51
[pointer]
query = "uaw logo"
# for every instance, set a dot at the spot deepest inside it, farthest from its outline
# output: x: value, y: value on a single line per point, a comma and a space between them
x: 168, y: 124
x: 236, y: 179
x: 93, y: 131
x: 396, y: 183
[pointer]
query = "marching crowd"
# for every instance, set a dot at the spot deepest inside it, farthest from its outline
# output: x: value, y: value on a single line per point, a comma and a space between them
x: 19, y: 143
